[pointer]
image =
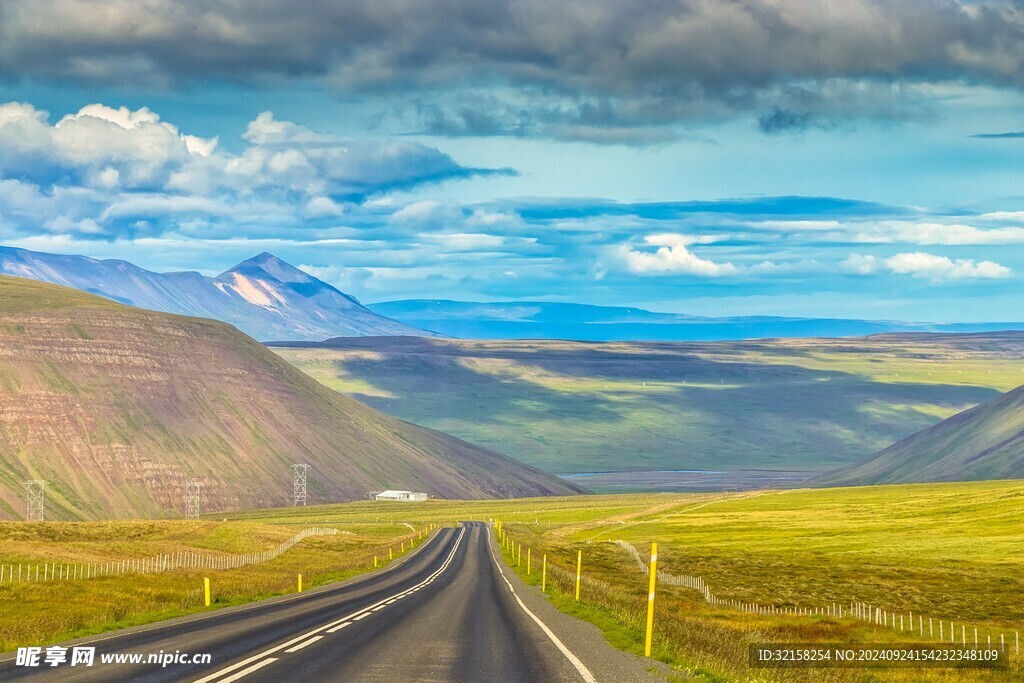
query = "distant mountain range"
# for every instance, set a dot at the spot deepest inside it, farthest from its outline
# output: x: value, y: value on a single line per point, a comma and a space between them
x: 264, y: 297
x: 270, y: 300
x: 116, y: 407
x: 547, y: 320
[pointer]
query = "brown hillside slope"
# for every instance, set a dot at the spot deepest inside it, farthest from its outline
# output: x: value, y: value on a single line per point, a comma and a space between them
x: 116, y: 407
x: 984, y: 442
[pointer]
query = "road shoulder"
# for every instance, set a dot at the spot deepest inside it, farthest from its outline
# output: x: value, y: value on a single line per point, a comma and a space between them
x: 583, y: 639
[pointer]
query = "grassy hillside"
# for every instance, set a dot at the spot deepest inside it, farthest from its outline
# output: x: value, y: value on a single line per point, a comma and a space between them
x: 985, y: 442
x: 116, y: 407
x: 811, y: 404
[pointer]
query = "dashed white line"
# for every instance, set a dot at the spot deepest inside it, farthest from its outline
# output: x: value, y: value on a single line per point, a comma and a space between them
x: 305, y: 644
x: 339, y: 627
x: 355, y: 616
x: 246, y: 672
x: 573, y: 659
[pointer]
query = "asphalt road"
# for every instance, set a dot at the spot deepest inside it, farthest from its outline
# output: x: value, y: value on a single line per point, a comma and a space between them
x: 449, y: 612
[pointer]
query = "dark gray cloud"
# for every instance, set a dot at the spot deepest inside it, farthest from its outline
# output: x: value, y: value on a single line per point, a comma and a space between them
x: 577, y: 65
x: 1000, y: 136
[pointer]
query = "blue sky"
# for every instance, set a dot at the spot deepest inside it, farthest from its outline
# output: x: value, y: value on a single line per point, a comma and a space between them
x: 799, y: 157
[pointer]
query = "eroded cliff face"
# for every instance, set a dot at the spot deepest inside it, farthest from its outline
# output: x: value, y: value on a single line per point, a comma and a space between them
x: 117, y: 407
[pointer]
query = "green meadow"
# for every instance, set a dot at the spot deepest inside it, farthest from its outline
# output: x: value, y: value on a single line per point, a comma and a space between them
x: 944, y: 552
x: 576, y: 407
x: 47, y: 612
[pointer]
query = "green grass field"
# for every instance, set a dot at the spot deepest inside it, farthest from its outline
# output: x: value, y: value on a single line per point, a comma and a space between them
x: 574, y: 407
x: 47, y: 612
x: 943, y: 551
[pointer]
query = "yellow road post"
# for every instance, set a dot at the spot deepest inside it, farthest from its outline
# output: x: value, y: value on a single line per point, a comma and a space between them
x: 206, y: 591
x: 544, y: 574
x: 650, y: 599
x: 300, y: 583
x: 579, y: 572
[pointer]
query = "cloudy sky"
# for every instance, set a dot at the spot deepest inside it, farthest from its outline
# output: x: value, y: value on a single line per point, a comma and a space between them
x: 849, y: 158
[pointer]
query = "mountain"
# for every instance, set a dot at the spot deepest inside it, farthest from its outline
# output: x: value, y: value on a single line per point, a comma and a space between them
x: 264, y: 297
x: 116, y: 407
x: 580, y: 322
x: 983, y: 442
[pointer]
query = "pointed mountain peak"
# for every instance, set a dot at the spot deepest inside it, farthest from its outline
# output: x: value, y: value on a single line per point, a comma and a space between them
x: 264, y: 260
x: 271, y: 265
x: 267, y: 268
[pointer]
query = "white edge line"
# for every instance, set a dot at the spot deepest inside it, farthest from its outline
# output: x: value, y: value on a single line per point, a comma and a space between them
x: 573, y: 659
x: 351, y: 617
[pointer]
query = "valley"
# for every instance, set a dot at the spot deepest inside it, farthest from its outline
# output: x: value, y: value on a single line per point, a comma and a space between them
x: 806, y: 405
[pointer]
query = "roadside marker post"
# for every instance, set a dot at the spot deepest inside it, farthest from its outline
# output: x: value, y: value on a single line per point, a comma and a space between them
x: 529, y: 563
x: 374, y: 561
x: 391, y: 554
x: 206, y: 591
x: 300, y: 584
x: 519, y: 559
x: 650, y: 599
x: 544, y: 574
x: 579, y: 572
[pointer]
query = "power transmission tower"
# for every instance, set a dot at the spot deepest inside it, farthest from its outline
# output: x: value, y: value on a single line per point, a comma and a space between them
x: 299, y: 471
x: 35, y: 499
x: 193, y: 498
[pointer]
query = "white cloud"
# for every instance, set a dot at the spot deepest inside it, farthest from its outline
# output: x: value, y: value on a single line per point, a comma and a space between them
x: 937, y: 268
x: 928, y: 233
x: 108, y: 171
x: 860, y: 264
x: 1004, y: 216
x: 322, y: 207
x: 927, y: 266
x: 672, y: 257
x: 100, y: 145
x: 480, y: 242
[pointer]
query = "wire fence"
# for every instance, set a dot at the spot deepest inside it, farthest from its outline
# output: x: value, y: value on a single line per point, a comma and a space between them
x: 53, y: 571
x: 901, y: 622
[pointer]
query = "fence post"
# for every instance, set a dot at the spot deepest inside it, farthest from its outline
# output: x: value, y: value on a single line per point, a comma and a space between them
x: 206, y: 590
x: 650, y: 599
x: 579, y: 571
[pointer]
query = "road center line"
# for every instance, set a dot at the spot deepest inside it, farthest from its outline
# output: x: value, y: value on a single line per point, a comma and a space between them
x: 573, y: 659
x: 339, y: 627
x: 246, y: 672
x: 351, y: 617
x: 305, y: 644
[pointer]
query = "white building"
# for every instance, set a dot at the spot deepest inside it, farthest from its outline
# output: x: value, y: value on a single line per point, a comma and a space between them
x: 404, y: 496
